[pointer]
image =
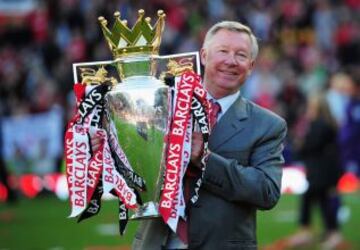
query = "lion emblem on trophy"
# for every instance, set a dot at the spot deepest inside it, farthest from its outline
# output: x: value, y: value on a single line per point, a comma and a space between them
x: 178, y: 68
x: 91, y: 76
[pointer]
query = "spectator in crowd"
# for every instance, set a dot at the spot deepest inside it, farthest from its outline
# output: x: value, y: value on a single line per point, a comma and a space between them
x: 350, y: 131
x: 319, y: 151
x: 338, y: 95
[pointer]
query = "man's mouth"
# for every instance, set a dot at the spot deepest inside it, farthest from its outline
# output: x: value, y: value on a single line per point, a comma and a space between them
x: 229, y: 73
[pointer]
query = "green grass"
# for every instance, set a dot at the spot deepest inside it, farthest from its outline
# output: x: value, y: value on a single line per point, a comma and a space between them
x: 282, y: 221
x: 42, y: 224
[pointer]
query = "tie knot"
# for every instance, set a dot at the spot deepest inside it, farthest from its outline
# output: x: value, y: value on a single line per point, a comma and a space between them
x: 215, y: 107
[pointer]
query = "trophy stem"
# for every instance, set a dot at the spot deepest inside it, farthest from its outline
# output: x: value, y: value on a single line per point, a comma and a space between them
x: 147, y: 211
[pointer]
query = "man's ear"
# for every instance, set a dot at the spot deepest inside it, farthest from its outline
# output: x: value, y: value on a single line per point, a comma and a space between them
x: 251, y: 67
x: 203, y: 56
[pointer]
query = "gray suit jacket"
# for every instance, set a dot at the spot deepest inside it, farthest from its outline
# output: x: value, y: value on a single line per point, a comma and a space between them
x: 243, y: 174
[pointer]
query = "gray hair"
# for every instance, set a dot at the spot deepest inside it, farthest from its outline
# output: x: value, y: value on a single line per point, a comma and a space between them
x: 236, y: 27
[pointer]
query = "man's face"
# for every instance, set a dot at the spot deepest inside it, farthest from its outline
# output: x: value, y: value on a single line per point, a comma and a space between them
x: 227, y: 61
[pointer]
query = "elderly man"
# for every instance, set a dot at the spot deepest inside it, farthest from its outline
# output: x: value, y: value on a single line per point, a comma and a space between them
x: 243, y: 170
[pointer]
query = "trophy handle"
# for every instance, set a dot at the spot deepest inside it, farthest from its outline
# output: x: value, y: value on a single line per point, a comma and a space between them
x: 174, y: 64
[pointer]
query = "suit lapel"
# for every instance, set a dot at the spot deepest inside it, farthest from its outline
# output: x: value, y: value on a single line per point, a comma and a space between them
x: 230, y: 124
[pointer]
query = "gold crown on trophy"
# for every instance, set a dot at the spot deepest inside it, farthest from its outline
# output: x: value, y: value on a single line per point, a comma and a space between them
x: 141, y: 39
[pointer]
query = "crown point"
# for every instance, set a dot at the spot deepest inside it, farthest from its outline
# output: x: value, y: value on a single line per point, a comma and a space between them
x: 102, y: 20
x: 143, y: 37
x: 161, y: 13
x: 141, y: 12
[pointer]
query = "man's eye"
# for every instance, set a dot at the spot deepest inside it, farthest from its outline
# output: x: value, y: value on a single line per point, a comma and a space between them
x: 242, y: 55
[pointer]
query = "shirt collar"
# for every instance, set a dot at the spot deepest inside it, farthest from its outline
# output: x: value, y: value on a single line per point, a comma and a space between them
x: 226, y: 101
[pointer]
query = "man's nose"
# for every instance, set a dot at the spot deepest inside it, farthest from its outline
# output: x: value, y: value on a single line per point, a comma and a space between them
x: 231, y: 59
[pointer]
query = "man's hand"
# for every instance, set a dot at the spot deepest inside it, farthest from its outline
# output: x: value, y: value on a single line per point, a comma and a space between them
x: 197, y: 148
x: 95, y: 141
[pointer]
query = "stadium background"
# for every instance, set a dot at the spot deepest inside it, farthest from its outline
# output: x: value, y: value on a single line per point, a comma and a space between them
x: 304, y: 45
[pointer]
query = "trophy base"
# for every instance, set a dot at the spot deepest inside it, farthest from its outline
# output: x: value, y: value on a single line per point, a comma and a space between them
x: 147, y: 211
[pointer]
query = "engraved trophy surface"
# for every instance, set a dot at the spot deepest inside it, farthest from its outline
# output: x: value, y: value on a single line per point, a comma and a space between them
x: 139, y: 109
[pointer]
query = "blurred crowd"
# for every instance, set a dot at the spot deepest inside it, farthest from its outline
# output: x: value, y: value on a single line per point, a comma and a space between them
x: 306, y: 47
x: 308, y: 69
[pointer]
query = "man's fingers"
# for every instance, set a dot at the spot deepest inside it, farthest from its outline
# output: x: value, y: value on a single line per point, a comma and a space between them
x: 95, y: 143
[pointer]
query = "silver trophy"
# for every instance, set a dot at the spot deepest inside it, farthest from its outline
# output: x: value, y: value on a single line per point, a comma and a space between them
x: 139, y: 109
x: 139, y: 103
